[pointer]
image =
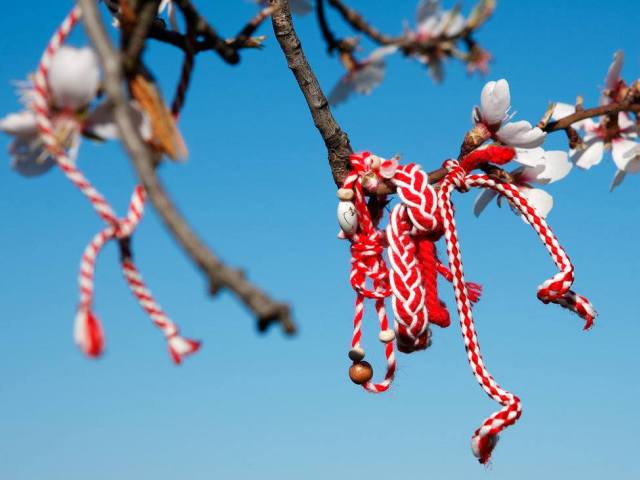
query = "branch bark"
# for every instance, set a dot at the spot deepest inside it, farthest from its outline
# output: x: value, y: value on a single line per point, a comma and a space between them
x: 335, y: 139
x: 337, y: 142
x: 217, y: 273
x: 612, y: 108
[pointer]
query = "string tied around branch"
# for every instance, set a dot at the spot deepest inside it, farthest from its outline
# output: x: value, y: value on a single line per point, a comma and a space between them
x: 88, y: 331
x: 415, y: 224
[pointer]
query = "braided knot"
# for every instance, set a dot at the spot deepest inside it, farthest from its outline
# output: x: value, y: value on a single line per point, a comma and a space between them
x: 457, y: 175
x: 367, y: 263
x: 419, y: 197
x: 88, y: 331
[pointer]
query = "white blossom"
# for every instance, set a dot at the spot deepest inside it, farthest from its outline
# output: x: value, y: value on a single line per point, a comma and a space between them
x: 363, y: 77
x: 74, y: 77
x: 620, y: 139
x: 73, y: 81
x: 537, y: 167
x: 495, y: 102
x: 433, y: 22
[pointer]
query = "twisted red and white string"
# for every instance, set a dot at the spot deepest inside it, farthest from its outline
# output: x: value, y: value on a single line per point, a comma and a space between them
x: 554, y: 290
x: 367, y: 246
x: 414, y: 224
x: 88, y: 331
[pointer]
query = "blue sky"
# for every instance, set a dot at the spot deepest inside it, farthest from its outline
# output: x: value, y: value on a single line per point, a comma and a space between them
x: 257, y: 188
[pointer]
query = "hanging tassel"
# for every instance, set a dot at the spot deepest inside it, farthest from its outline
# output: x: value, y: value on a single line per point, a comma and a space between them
x: 88, y: 333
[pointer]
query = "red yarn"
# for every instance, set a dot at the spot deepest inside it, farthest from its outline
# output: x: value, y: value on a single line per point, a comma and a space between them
x: 419, y: 220
x: 436, y: 309
x: 495, y: 154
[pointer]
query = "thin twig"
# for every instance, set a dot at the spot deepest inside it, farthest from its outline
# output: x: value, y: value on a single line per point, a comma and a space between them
x: 359, y: 23
x: 133, y: 39
x: 244, y: 36
x: 609, y: 109
x: 333, y: 43
x: 218, y: 274
x: 408, y: 44
x: 227, y: 52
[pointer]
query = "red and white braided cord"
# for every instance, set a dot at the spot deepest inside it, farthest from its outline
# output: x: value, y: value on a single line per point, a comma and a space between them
x: 557, y: 289
x: 367, y: 246
x: 88, y: 331
x: 415, y: 215
x: 554, y: 290
x: 485, y: 437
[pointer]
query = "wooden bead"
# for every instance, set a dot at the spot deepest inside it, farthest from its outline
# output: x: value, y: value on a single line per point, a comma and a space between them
x: 360, y: 372
x: 356, y: 354
x: 387, y: 335
x: 345, y: 194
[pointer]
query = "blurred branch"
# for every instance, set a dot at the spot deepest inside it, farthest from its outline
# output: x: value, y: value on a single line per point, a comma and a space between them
x: 410, y: 44
x: 218, y: 274
x: 359, y: 23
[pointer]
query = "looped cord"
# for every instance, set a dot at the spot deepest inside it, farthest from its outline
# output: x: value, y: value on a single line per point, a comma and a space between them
x: 554, y: 290
x: 414, y: 225
x: 367, y: 263
x: 88, y: 332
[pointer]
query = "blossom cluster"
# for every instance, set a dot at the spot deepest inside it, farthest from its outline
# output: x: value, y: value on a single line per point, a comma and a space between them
x: 74, y: 81
x: 430, y: 42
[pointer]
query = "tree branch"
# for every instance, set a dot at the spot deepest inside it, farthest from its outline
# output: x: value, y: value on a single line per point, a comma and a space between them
x: 227, y: 52
x: 335, y: 139
x: 408, y: 44
x: 359, y: 23
x: 612, y: 108
x: 337, y: 142
x: 218, y: 274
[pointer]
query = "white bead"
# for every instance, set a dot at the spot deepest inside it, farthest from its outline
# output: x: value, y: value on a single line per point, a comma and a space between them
x: 387, y: 335
x: 356, y: 354
x: 345, y: 194
x: 347, y: 217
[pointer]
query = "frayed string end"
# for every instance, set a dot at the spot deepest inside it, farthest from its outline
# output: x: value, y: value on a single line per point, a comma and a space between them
x: 180, y: 347
x: 88, y: 333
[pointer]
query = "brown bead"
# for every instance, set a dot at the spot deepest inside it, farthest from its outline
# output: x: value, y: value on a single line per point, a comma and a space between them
x: 360, y: 372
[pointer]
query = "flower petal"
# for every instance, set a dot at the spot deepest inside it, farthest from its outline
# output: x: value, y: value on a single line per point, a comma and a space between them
x: 626, y: 155
x: 524, y: 174
x: 627, y: 125
x: 482, y: 201
x: 300, y: 7
x: 539, y: 199
x: 363, y: 80
x: 341, y: 91
x: 613, y: 77
x: 556, y: 167
x: 521, y: 134
x: 20, y: 123
x: 29, y: 157
x: 530, y: 157
x: 589, y: 156
x: 495, y: 100
x: 426, y: 9
x: 561, y: 110
x: 101, y: 123
x: 379, y: 53
x: 454, y: 24
x: 617, y: 179
x: 74, y: 77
